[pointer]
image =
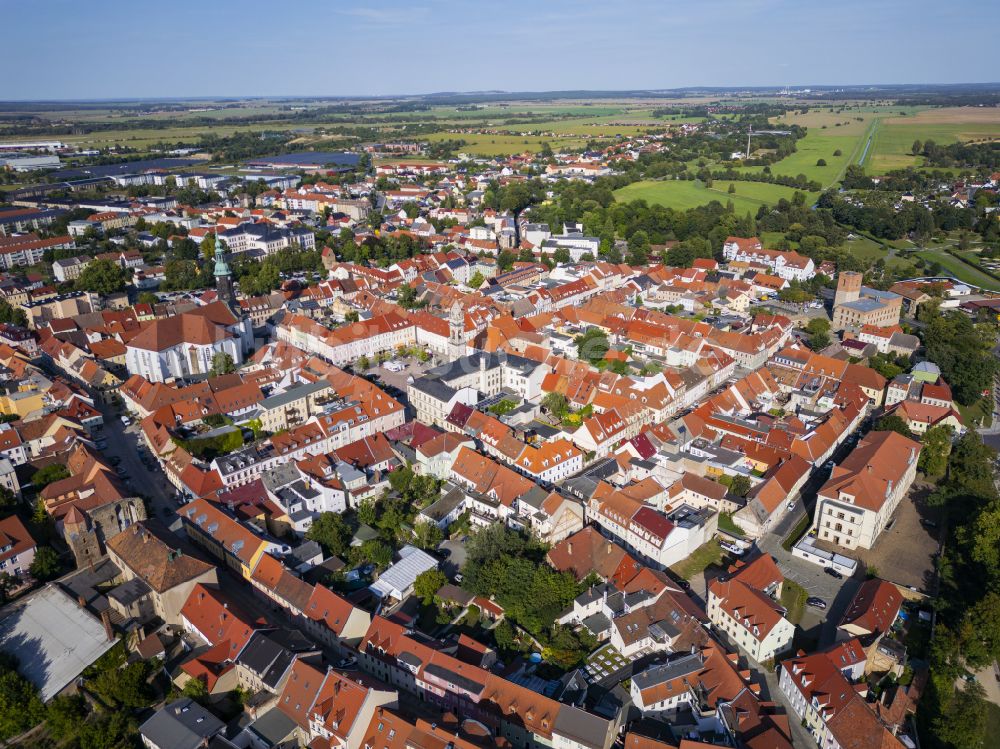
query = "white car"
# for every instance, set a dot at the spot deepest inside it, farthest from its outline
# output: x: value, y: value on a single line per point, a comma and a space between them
x: 790, y: 506
x: 733, y: 549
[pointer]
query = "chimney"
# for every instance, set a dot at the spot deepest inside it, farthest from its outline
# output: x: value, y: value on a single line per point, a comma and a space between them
x: 106, y: 621
x: 81, y: 602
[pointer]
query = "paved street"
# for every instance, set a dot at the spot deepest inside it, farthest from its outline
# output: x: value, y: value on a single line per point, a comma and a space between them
x: 150, y: 482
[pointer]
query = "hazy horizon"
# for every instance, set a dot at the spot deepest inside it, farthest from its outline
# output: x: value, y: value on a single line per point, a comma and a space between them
x: 227, y: 49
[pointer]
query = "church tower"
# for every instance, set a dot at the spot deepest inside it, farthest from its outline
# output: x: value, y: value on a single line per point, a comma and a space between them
x: 223, y: 276
x: 456, y: 332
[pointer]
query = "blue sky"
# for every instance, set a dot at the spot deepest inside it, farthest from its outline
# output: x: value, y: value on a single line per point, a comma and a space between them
x: 71, y: 49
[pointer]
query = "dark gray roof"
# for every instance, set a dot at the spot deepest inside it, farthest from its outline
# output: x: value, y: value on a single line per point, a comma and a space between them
x: 585, y: 728
x: 273, y: 726
x: 434, y: 388
x: 183, y: 724
x: 685, y: 664
x: 451, y: 677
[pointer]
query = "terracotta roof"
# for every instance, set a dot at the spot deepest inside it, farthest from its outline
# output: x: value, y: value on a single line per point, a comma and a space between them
x: 158, y: 563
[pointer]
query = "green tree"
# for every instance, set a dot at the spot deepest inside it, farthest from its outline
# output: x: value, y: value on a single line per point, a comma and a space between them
x: 592, y: 345
x: 638, y: 248
x: 556, y: 404
x: 427, y: 584
x: 195, y: 689
x: 893, y: 423
x: 148, y: 297
x: 331, y: 532
x: 505, y: 260
x: 367, y: 512
x: 477, y: 280
x: 64, y: 715
x: 20, y: 706
x: 46, y: 565
x: 740, y: 486
x: 49, y: 474
x: 222, y: 364
x: 964, y: 725
x: 936, y: 448
x: 820, y: 162
x: 12, y: 315
x: 102, y: 277
x: 8, y: 501
x: 427, y: 535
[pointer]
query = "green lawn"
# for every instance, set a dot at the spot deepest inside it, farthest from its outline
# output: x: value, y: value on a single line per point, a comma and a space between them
x: 797, y: 532
x: 980, y: 412
x: 868, y: 250
x: 684, y: 194
x: 704, y: 556
x: 955, y: 267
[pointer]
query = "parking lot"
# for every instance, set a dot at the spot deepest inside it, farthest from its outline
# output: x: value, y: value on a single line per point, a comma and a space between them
x: 413, y: 368
x: 817, y: 624
x: 905, y: 553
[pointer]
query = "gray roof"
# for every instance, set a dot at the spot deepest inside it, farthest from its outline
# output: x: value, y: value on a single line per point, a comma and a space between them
x: 294, y: 393
x: 52, y: 638
x: 585, y: 728
x: 686, y: 664
x: 434, y: 388
x: 273, y: 726
x: 403, y: 573
x: 183, y: 724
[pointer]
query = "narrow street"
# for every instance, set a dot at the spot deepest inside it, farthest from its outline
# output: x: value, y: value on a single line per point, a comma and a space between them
x: 124, y: 443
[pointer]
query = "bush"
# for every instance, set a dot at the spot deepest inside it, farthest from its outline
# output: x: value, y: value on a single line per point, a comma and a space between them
x: 821, y: 162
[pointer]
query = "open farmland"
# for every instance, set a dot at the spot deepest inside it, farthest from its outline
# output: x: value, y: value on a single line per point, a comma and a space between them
x: 893, y: 142
x: 684, y: 194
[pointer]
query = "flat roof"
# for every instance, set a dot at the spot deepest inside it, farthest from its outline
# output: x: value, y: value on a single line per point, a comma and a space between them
x: 53, y: 638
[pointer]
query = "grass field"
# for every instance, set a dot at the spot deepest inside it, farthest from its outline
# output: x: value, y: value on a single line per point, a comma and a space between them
x: 894, y: 139
x: 682, y: 194
x: 823, y: 144
x: 704, y: 556
x: 955, y: 267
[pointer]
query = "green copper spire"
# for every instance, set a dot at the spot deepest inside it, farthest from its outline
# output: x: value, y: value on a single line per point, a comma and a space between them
x: 221, y: 266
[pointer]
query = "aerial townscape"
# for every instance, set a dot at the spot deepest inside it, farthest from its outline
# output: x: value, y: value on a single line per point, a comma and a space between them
x: 576, y: 419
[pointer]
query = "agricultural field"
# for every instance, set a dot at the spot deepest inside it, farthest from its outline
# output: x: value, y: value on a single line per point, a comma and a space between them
x: 683, y: 194
x: 496, y: 145
x: 891, y: 148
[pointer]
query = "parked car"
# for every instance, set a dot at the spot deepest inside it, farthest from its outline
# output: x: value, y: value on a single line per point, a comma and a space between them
x: 791, y: 505
x: 833, y: 573
x: 126, y: 420
x: 733, y: 549
x: 816, y: 603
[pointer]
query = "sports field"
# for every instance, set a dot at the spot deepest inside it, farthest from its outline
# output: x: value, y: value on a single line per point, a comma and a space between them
x: 684, y: 194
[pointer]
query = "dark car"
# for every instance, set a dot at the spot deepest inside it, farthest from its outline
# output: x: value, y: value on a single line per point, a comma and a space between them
x: 927, y: 523
x: 833, y: 573
x: 684, y: 584
x: 815, y: 602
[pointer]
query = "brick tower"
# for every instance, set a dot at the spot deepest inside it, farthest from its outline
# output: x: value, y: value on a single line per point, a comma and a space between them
x: 848, y: 288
